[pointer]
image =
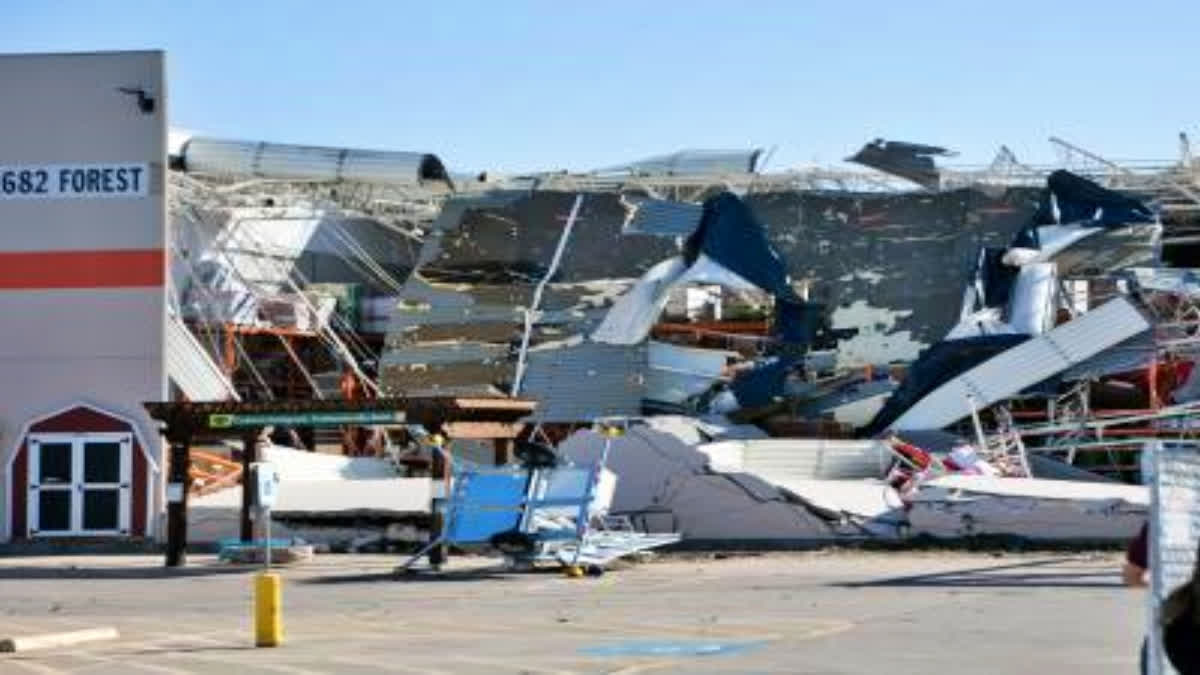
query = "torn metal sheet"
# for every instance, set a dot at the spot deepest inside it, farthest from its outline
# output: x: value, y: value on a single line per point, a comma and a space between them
x: 675, y: 374
x: 580, y: 383
x: 891, y: 267
x: 1032, y: 305
x: 634, y: 314
x: 328, y: 258
x: 907, y: 160
x: 662, y: 217
x: 691, y: 162
x: 782, y: 459
x: 191, y: 367
x: 1133, y: 354
x: 855, y: 404
x: 1110, y: 250
x: 937, y: 366
x: 440, y: 353
x: 446, y: 378
x: 1026, y: 364
x: 906, y: 258
x: 732, y: 236
x: 1074, y: 199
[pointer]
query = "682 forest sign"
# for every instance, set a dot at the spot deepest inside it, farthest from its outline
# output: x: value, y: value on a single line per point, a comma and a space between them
x: 73, y: 181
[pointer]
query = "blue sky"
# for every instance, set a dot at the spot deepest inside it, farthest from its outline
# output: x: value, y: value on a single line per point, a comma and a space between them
x: 537, y: 85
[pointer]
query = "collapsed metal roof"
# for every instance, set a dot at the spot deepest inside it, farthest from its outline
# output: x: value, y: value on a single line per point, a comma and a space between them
x: 691, y: 162
x: 281, y: 161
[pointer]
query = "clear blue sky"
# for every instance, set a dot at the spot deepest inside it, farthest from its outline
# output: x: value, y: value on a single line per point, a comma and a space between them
x: 531, y: 85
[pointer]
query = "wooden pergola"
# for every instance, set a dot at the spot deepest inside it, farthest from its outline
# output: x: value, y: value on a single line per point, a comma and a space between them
x: 464, y: 417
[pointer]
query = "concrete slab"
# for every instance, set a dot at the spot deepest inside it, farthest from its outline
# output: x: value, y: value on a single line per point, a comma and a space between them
x: 819, y: 612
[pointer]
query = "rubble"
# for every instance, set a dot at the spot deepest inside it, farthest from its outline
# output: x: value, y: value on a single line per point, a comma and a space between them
x: 793, y: 363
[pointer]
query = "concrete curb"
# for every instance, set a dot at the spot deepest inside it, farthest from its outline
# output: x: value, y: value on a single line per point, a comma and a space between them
x: 52, y: 640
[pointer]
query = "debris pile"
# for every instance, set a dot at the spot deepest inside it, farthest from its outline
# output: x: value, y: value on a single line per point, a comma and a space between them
x: 788, y: 363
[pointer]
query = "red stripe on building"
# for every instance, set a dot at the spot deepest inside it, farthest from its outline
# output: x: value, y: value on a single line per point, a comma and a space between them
x: 81, y: 269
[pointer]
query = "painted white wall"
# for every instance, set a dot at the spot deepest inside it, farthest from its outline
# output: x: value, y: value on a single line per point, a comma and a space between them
x: 102, y: 346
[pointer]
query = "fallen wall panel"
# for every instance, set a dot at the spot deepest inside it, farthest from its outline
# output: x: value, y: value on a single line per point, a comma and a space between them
x: 1012, y: 371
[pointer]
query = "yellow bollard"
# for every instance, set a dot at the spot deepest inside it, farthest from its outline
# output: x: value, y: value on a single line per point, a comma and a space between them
x: 268, y: 610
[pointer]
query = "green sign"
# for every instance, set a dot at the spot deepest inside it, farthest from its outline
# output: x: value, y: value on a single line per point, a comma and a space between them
x: 311, y: 419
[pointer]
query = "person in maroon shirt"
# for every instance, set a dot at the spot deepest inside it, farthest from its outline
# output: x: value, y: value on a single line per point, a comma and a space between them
x: 1180, y: 620
x: 1137, y: 559
x: 1133, y: 572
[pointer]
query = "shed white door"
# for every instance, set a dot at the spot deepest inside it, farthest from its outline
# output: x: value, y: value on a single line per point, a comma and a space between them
x: 79, y: 484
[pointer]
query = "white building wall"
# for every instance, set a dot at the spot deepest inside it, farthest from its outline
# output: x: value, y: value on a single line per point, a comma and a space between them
x: 81, y: 276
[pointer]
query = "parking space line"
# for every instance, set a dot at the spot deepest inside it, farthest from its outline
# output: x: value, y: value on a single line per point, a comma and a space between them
x: 241, y: 665
x: 33, y: 666
x: 645, y: 667
x: 496, y: 662
x: 384, y: 666
x: 130, y: 663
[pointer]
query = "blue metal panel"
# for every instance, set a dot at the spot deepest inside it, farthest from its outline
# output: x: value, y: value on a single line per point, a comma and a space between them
x: 485, y: 504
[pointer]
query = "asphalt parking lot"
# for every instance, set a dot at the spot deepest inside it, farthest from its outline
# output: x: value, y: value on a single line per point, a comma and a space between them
x: 842, y: 612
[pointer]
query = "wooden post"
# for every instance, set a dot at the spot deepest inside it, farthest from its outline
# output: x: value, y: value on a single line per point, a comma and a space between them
x: 231, y: 357
x: 249, y: 454
x: 177, y: 496
x: 502, y: 451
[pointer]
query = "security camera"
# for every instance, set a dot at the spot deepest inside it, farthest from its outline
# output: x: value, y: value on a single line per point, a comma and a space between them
x: 145, y: 102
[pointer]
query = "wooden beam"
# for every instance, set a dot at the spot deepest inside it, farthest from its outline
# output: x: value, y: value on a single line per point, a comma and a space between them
x: 249, y: 455
x: 483, y: 430
x: 176, y: 555
x: 495, y: 404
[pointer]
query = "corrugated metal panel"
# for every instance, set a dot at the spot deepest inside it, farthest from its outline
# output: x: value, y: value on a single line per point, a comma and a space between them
x: 663, y: 217
x: 191, y: 368
x: 445, y: 352
x: 670, y: 387
x: 677, y: 373
x: 1025, y: 365
x: 785, y: 459
x: 302, y: 162
x: 585, y: 381
x: 667, y: 356
x: 1132, y: 354
x: 423, y: 304
x: 692, y: 162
